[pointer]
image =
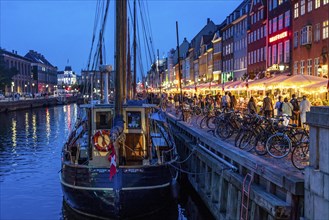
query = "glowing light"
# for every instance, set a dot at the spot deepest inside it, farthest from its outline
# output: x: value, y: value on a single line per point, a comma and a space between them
x: 278, y: 36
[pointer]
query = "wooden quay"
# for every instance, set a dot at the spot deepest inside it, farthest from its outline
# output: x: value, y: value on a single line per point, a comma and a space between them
x: 235, y: 184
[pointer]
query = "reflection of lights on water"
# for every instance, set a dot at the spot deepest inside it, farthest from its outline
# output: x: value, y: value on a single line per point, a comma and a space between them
x: 68, y: 117
x: 27, y: 127
x: 47, y: 124
x: 14, y: 132
x: 34, y: 127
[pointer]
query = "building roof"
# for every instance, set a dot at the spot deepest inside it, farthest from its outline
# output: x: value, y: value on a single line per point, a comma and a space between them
x: 37, y: 58
x: 14, y: 54
x: 68, y: 68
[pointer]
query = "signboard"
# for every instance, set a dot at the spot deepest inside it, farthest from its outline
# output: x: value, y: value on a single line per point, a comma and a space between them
x: 278, y: 36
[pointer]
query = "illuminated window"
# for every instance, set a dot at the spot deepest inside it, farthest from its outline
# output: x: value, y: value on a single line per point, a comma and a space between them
x: 302, y: 67
x: 275, y: 24
x: 280, y: 53
x: 309, y: 67
x: 317, y: 33
x: 287, y: 19
x: 296, y: 39
x: 306, y: 35
x: 280, y: 24
x: 287, y: 51
x: 317, y: 4
x: 325, y: 29
x: 309, y: 5
x: 316, y: 66
x: 325, y: 2
x: 274, y: 55
x: 296, y: 10
x: 280, y: 2
x: 295, y: 67
x: 302, y: 7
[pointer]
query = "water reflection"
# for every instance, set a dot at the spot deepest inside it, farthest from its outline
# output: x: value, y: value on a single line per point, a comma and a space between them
x: 30, y: 151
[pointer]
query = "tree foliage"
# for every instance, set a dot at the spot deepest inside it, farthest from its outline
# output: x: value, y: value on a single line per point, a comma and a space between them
x: 6, y: 74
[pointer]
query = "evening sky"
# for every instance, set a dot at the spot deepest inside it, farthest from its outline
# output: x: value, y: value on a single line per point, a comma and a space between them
x: 62, y: 30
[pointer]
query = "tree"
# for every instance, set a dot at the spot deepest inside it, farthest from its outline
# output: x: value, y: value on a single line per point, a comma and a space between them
x: 6, y: 74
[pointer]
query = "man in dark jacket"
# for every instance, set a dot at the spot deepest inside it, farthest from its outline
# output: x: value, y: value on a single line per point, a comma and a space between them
x: 295, y: 110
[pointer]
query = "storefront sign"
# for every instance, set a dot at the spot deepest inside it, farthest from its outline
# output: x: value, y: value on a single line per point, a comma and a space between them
x: 279, y: 36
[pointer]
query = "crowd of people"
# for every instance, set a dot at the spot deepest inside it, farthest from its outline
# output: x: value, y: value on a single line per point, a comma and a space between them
x: 293, y: 109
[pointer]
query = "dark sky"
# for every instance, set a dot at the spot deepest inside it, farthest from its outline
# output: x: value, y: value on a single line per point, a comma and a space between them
x: 62, y: 30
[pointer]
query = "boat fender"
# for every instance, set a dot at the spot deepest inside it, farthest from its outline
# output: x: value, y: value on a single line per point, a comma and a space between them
x: 175, y: 188
x: 102, y: 140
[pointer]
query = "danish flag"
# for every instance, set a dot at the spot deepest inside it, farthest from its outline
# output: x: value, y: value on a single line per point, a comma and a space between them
x: 112, y: 159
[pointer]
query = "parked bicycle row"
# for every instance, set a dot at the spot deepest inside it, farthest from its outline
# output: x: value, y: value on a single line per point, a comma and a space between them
x: 264, y: 135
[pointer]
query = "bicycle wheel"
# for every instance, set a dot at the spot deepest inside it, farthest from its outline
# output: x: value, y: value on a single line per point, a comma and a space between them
x: 211, y: 122
x: 203, y: 122
x: 260, y: 144
x: 278, y: 145
x: 300, y: 156
x: 247, y: 142
x: 238, y: 137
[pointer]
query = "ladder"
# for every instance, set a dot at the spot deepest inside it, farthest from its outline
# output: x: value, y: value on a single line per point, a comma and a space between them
x: 245, y: 196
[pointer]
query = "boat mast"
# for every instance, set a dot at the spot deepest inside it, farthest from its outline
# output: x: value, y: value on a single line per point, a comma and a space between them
x: 120, y: 57
x: 134, y: 48
x: 179, y: 69
x: 129, y: 67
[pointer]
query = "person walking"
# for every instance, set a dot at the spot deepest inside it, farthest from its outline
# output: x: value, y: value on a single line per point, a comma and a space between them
x: 287, y: 110
x: 267, y: 106
x: 252, y: 109
x: 233, y: 102
x: 305, y: 106
x: 278, y: 106
x: 295, y: 110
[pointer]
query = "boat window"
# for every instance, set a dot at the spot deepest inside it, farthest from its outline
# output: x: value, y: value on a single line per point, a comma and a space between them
x: 104, y: 120
x: 134, y: 120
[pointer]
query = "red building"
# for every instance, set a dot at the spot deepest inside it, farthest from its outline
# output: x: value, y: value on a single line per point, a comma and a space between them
x: 279, y: 40
x: 257, y: 39
x: 311, y: 40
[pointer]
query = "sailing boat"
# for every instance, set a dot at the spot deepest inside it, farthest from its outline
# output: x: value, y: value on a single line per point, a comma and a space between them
x: 119, y: 161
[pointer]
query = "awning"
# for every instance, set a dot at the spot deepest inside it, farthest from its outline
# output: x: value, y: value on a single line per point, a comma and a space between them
x: 318, y: 87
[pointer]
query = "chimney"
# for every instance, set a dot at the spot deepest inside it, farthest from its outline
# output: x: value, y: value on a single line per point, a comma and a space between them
x: 208, y: 20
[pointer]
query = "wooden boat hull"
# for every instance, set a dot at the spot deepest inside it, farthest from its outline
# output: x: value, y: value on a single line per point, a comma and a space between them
x: 132, y: 192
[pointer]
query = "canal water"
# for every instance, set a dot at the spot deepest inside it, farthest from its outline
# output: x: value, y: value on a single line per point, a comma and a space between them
x: 30, y: 160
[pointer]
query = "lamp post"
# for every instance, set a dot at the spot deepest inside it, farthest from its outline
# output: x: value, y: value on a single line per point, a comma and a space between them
x: 281, y: 67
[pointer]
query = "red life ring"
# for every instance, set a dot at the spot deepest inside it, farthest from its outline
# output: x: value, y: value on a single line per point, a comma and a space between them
x: 102, y: 140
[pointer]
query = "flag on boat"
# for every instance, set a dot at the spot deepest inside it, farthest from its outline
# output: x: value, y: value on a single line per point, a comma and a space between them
x: 112, y: 159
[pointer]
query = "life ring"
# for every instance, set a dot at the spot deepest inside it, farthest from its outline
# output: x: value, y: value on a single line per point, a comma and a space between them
x: 102, y: 140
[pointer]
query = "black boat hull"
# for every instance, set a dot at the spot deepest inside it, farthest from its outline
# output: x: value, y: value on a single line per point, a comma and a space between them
x: 132, y: 192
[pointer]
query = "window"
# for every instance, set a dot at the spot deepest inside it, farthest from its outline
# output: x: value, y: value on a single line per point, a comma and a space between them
x: 261, y: 54
x: 270, y: 5
x: 295, y: 67
x: 317, y: 33
x: 287, y: 19
x: 309, y: 5
x: 287, y: 51
x: 302, y: 7
x: 261, y: 33
x: 316, y: 66
x: 306, y: 35
x: 280, y: 2
x: 280, y: 53
x: 280, y: 25
x: 309, y: 67
x: 252, y: 19
x: 274, y: 55
x: 302, y: 67
x: 270, y: 27
x: 317, y: 4
x: 325, y: 29
x: 275, y: 24
x: 275, y: 3
x: 325, y: 2
x: 296, y: 10
x: 265, y: 31
x: 296, y: 39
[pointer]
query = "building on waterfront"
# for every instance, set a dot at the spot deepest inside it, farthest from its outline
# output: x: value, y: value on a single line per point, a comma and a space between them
x: 22, y: 81
x: 44, y: 73
x: 257, y: 37
x: 66, y: 77
x: 234, y: 43
x: 311, y: 37
x: 93, y: 79
x: 279, y: 32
